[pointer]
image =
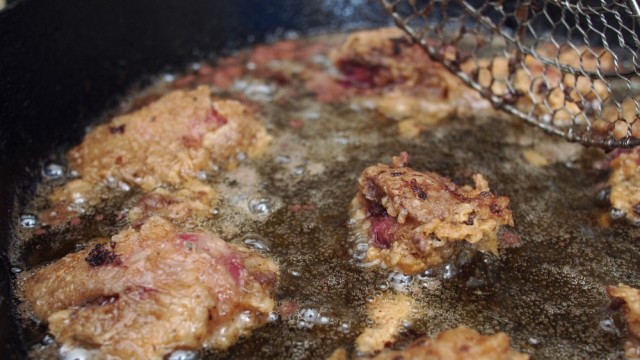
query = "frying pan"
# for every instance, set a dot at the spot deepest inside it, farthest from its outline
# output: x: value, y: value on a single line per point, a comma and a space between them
x: 63, y: 62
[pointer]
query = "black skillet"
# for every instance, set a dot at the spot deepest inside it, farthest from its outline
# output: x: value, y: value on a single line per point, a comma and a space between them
x: 63, y: 62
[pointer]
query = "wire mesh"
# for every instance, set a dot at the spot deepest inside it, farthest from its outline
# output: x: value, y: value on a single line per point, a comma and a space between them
x: 569, y: 67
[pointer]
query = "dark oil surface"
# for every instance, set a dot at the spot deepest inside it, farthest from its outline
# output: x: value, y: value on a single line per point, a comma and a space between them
x: 548, y: 294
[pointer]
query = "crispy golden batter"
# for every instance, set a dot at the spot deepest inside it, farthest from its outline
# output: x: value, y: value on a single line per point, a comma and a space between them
x: 631, y: 299
x: 389, y: 312
x: 624, y: 181
x: 460, y: 343
x: 165, y: 143
x: 416, y: 220
x: 401, y: 81
x: 151, y: 291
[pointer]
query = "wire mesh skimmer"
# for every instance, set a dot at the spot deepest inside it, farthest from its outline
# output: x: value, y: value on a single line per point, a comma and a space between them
x: 569, y: 67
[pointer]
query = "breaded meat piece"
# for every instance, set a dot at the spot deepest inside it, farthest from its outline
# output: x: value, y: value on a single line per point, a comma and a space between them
x: 630, y: 298
x: 191, y: 202
x: 379, y: 57
x: 166, y: 142
x: 624, y: 181
x: 417, y: 220
x: 400, y: 79
x: 149, y: 292
x: 460, y: 343
x: 389, y: 313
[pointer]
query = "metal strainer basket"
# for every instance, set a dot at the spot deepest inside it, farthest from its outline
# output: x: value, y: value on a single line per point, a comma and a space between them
x: 569, y: 67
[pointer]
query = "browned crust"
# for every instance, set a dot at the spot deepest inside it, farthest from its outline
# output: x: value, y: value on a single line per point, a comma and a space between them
x: 415, y: 220
x: 166, y: 143
x: 154, y: 290
x: 395, y: 75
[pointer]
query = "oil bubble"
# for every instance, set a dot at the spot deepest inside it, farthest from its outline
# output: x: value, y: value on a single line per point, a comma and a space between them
x: 183, y: 355
x: 47, y: 340
x: 359, y: 256
x: 303, y: 325
x: 246, y: 317
x: 215, y: 211
x: 449, y: 272
x: 124, y: 186
x: 75, y: 353
x: 608, y: 326
x: 324, y: 320
x: 28, y: 220
x: 312, y: 317
x: 294, y: 272
x: 16, y: 270
x: 534, y: 341
x: 272, y: 317
x: 111, y: 182
x: 431, y: 284
x: 382, y: 285
x: 399, y: 280
x: 603, y: 195
x: 256, y: 242
x: 298, y: 170
x: 52, y: 171
x: 426, y: 275
x: 345, y: 326
x: 616, y: 213
x: 362, y: 246
x: 360, y: 251
x: 241, y: 156
x: 308, y: 314
x: 78, y: 199
x: 261, y: 205
x: 283, y: 159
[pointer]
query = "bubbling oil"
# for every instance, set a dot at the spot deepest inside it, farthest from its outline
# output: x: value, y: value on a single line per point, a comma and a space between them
x: 292, y: 204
